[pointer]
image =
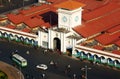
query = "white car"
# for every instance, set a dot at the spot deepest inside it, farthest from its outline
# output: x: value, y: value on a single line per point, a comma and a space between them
x: 42, y: 66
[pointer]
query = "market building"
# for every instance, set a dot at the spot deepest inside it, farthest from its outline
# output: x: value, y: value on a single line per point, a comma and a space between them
x: 68, y: 26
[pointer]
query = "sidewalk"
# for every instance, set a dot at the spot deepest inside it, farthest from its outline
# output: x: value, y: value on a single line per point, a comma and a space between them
x: 12, y: 72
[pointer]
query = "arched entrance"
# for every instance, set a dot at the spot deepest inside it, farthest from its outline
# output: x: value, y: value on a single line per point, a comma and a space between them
x: 57, y: 44
x: 110, y: 62
x: 90, y: 57
x: 103, y: 60
x: 69, y: 51
x: 97, y: 59
x: 117, y: 63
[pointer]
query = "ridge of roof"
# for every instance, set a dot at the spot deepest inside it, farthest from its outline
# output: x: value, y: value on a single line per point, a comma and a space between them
x: 70, y: 5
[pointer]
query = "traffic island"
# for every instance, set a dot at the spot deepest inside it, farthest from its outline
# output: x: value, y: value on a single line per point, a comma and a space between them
x: 10, y: 71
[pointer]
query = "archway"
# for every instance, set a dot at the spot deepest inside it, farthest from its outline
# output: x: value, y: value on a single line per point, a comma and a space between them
x: 1, y: 34
x: 97, y: 59
x: 22, y: 39
x: 77, y: 53
x: 69, y: 51
x: 110, y: 62
x: 57, y: 44
x: 103, y: 60
x: 90, y: 57
x: 16, y: 37
x: 11, y: 36
x: 83, y: 55
x: 117, y: 63
x: 27, y: 40
x: 6, y: 35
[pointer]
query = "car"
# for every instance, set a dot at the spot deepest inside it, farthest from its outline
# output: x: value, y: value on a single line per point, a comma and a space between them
x: 42, y: 66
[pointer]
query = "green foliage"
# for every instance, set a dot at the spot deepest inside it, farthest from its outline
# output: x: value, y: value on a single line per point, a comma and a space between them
x: 3, y: 75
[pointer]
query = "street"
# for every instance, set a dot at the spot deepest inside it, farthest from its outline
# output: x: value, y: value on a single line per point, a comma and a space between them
x: 38, y: 56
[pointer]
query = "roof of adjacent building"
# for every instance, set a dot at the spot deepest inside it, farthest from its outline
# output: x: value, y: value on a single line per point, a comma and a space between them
x: 100, y: 12
x: 70, y: 5
x: 34, y: 22
x: 100, y: 23
x: 108, y: 38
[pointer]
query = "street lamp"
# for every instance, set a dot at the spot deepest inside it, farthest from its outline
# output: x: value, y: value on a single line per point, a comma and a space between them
x: 86, y: 70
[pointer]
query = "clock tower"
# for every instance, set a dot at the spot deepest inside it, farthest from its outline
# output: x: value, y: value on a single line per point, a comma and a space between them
x: 69, y: 14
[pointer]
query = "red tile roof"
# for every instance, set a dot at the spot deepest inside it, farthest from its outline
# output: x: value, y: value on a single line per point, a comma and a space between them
x: 116, y: 52
x: 115, y: 28
x: 70, y: 5
x: 16, y: 19
x: 99, y: 25
x: 26, y: 30
x: 98, y: 47
x: 117, y: 43
x: 2, y: 19
x: 33, y: 10
x: 108, y: 38
x: 101, y: 11
x: 46, y: 25
x: 34, y: 22
x: 51, y: 0
x: 11, y: 26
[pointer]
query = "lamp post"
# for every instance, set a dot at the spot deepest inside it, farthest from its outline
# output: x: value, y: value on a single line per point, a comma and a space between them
x: 86, y: 70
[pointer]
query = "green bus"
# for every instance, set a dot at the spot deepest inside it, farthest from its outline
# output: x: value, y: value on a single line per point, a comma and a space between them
x: 19, y: 60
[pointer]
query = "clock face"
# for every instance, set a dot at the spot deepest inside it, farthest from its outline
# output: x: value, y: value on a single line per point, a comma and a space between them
x: 76, y: 18
x: 64, y: 19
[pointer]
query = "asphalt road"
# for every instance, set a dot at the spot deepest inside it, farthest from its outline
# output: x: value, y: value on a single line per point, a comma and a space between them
x: 36, y: 57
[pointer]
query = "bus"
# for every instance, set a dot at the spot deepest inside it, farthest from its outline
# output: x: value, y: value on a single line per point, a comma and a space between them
x: 19, y: 60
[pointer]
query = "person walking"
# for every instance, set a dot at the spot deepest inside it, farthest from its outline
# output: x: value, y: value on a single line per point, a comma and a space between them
x: 74, y: 76
x: 43, y: 76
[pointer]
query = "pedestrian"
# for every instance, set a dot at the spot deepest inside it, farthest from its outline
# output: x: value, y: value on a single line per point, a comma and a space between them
x: 43, y: 76
x: 27, y: 52
x: 69, y: 66
x: 68, y: 69
x: 74, y: 76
